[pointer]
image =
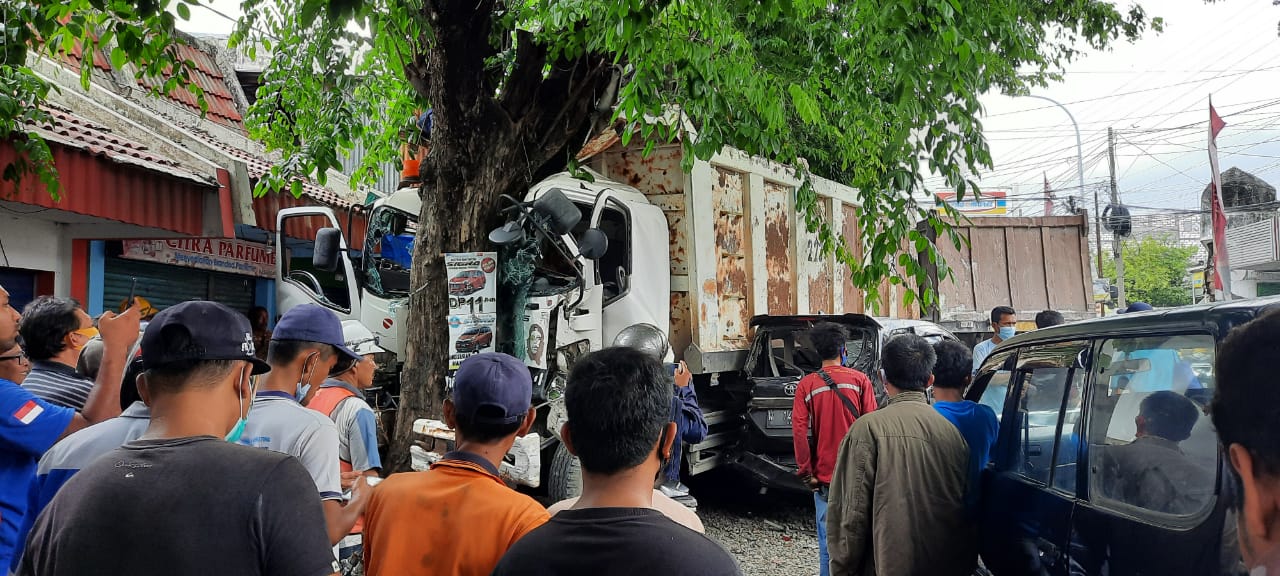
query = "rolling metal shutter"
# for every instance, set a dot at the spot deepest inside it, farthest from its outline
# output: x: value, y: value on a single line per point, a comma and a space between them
x: 165, y: 285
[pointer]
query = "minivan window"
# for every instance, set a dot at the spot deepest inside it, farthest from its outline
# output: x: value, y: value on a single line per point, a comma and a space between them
x: 997, y: 387
x: 1048, y: 397
x: 1152, y: 446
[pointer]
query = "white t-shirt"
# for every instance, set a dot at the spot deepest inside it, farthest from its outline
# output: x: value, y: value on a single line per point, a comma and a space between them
x: 278, y: 422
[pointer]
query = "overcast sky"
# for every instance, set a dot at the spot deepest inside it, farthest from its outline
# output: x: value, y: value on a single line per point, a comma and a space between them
x: 1154, y: 93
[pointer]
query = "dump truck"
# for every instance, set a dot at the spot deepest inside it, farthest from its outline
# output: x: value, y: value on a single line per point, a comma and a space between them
x: 1029, y: 263
x: 629, y: 238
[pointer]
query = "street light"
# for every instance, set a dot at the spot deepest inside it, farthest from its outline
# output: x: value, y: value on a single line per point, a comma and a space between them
x: 1097, y: 227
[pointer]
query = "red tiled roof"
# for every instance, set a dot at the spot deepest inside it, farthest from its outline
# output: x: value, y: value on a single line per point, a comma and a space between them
x: 207, y: 75
x: 75, y: 131
x: 99, y: 59
x: 259, y: 166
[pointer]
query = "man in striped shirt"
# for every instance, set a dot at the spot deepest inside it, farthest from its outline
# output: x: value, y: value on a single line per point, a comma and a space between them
x: 54, y: 331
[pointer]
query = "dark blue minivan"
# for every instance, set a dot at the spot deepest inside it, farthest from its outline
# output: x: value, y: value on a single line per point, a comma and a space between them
x: 1081, y: 481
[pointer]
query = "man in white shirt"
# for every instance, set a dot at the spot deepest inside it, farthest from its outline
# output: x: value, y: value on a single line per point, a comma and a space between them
x: 1004, y: 322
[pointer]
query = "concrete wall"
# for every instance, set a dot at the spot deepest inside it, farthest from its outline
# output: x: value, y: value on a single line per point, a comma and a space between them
x: 37, y: 245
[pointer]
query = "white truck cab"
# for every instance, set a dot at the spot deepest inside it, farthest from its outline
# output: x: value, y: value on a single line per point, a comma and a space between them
x: 370, y: 285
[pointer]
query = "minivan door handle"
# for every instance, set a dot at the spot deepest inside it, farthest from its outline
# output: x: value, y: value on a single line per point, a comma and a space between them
x: 1049, y: 552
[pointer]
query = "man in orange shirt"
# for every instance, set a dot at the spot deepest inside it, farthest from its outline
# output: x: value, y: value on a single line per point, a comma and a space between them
x: 459, y: 518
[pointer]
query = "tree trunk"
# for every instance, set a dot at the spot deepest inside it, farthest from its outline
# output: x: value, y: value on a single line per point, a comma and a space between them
x: 483, y: 145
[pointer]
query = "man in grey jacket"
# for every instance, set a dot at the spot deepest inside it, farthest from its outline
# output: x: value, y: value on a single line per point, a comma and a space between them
x: 897, y: 494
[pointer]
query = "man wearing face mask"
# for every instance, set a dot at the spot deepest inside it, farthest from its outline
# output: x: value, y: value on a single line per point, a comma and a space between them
x: 341, y: 398
x: 1004, y: 322
x: 29, y: 425
x: 199, y: 384
x: 827, y: 402
x: 307, y: 342
x: 54, y: 331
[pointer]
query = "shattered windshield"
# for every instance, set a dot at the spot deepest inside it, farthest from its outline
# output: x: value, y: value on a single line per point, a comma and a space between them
x: 389, y: 251
x: 787, y: 351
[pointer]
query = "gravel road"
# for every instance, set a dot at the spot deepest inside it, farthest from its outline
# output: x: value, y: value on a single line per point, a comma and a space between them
x: 771, y: 534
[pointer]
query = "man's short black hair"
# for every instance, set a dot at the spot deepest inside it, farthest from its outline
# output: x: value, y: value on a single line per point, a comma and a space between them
x: 282, y: 352
x: 1169, y: 415
x: 129, y: 386
x: 908, y: 362
x: 618, y: 402
x: 1047, y: 318
x: 46, y: 321
x: 1244, y: 404
x: 829, y: 339
x: 1000, y: 312
x: 483, y: 432
x: 953, y: 366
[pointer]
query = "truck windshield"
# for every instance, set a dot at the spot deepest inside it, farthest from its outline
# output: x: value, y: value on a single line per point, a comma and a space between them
x: 388, y: 251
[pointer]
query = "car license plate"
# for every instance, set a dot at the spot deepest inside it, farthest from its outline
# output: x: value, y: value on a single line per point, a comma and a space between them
x: 778, y: 419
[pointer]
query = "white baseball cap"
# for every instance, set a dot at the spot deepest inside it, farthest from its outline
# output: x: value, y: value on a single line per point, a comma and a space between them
x: 359, y: 338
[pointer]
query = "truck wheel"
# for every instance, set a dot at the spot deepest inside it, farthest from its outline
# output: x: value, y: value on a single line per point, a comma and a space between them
x: 566, y: 475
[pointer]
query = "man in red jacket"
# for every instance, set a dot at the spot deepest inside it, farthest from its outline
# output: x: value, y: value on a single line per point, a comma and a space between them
x: 826, y: 403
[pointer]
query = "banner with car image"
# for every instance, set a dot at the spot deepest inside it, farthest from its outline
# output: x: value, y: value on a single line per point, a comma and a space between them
x: 473, y: 303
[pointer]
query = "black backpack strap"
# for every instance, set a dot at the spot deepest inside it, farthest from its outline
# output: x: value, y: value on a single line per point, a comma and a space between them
x: 848, y: 404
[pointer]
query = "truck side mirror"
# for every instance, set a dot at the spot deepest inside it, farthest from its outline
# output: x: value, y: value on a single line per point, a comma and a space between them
x: 561, y: 212
x: 327, y: 246
x: 593, y: 244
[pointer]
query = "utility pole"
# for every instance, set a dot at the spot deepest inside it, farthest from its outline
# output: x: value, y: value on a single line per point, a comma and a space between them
x: 1115, y: 235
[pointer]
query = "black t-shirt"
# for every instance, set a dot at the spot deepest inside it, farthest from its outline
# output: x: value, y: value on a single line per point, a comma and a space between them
x: 183, y: 506
x: 615, y: 541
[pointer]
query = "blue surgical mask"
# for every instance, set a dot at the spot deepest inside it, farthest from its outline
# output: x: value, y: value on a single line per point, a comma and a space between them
x: 844, y: 356
x: 238, y: 430
x: 1007, y: 332
x: 301, y: 391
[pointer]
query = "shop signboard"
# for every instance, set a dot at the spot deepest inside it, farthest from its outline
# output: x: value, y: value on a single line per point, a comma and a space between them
x: 218, y: 254
x: 992, y: 203
x: 473, y: 303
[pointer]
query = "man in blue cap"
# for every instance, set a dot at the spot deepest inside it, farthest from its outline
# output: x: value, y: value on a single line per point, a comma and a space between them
x: 459, y: 517
x: 307, y: 342
x: 183, y: 499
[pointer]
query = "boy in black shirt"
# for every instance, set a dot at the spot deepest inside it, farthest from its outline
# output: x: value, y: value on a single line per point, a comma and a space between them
x: 183, y: 498
x: 619, y: 406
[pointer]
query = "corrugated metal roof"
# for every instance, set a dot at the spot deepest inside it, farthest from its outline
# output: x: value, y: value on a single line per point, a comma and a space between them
x: 94, y: 185
x: 266, y: 207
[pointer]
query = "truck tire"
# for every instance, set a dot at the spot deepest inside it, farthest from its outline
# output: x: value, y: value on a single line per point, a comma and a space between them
x: 566, y: 475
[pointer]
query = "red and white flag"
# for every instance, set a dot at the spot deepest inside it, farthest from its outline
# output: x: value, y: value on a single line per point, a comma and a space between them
x: 1048, y: 197
x: 28, y: 412
x: 1222, y: 263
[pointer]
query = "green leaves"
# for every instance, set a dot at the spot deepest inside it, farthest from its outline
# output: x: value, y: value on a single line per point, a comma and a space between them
x: 1155, y: 271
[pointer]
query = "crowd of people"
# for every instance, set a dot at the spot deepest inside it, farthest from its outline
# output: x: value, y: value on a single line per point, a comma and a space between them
x: 192, y: 453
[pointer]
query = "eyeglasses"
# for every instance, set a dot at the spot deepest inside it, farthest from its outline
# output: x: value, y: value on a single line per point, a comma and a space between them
x: 21, y: 357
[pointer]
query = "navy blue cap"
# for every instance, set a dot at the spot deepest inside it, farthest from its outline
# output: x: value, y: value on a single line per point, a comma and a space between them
x: 313, y: 323
x: 217, y: 333
x: 492, y: 388
x: 1138, y: 307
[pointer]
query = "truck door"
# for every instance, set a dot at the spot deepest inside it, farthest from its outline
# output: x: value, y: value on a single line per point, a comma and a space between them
x: 298, y: 280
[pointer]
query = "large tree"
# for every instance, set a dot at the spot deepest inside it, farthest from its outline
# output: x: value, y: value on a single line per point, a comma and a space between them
x: 1155, y: 271
x: 875, y: 94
